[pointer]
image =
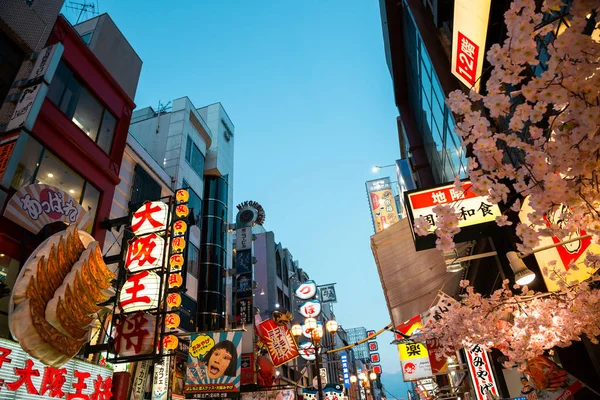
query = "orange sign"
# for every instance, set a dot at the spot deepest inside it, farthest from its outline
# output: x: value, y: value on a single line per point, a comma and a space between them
x: 178, y: 244
x: 182, y: 210
x: 170, y: 342
x: 175, y: 280
x: 179, y: 227
x: 176, y: 262
x: 182, y: 196
x: 172, y: 321
x: 7, y: 146
x: 174, y: 300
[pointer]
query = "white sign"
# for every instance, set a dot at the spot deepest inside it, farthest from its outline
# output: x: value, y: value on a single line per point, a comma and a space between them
x: 307, y: 351
x: 27, y: 107
x: 468, y: 40
x: 160, y: 385
x: 306, y: 290
x: 481, y: 372
x: 243, y: 239
x: 472, y: 209
x: 145, y: 252
x: 44, y: 61
x: 149, y: 218
x: 328, y: 294
x: 140, y: 292
x: 138, y: 386
x: 443, y: 304
x: 23, y: 377
x: 310, y: 308
x: 35, y: 206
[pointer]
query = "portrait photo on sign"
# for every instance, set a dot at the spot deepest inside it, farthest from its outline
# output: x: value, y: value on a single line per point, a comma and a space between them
x: 214, y: 360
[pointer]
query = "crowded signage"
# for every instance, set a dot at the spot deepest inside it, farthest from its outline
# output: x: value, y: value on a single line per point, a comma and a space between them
x: 306, y: 290
x: 439, y: 365
x: 468, y: 40
x: 443, y: 304
x: 375, y: 357
x: 22, y: 377
x: 279, y: 342
x: 560, y: 258
x: 481, y: 372
x: 373, y: 346
x: 35, y: 206
x: 244, y: 311
x: 415, y: 361
x: 307, y: 351
x: 345, y: 370
x: 214, y: 364
x: 383, y: 203
x: 473, y: 211
x: 377, y: 369
x: 160, y: 383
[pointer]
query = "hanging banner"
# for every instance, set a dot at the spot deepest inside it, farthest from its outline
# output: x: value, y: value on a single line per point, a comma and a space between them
x: 35, y: 206
x: 439, y: 365
x: 442, y: 305
x: 415, y: 361
x: 214, y: 364
x: 468, y: 40
x: 328, y: 294
x: 481, y: 372
x: 411, y: 327
x: 279, y: 341
x: 160, y: 383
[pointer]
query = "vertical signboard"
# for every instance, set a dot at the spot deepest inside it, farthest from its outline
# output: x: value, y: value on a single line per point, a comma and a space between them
x: 481, y: 372
x: 415, y: 361
x: 383, y: 205
x: 345, y: 370
x: 279, y: 342
x: 468, y: 40
x: 247, y: 370
x: 244, y: 279
x: 160, y: 383
x: 214, y: 365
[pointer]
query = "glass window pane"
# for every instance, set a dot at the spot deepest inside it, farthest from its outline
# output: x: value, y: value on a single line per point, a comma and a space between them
x: 68, y: 101
x: 91, y: 197
x: 426, y: 83
x: 192, y: 260
x: 88, y: 114
x: 197, y: 161
x: 188, y: 150
x: 54, y: 172
x: 107, y: 131
x: 59, y: 83
x: 27, y: 166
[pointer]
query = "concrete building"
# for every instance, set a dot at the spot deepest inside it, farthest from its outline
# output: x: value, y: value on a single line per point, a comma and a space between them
x: 201, y: 159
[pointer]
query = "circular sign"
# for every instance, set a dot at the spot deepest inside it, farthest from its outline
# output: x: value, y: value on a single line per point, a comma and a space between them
x: 182, y: 211
x: 182, y: 196
x: 170, y: 342
x: 140, y: 292
x: 172, y: 321
x: 307, y: 351
x: 306, y: 290
x: 310, y: 308
x: 175, y: 280
x: 151, y: 217
x: 173, y: 300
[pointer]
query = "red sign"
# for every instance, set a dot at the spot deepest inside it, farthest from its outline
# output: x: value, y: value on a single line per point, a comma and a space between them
x: 481, y: 372
x: 438, y: 366
x: 466, y: 58
x: 377, y: 369
x: 247, y: 376
x: 375, y: 358
x: 409, y: 327
x: 280, y: 343
x: 370, y: 333
x: 373, y: 346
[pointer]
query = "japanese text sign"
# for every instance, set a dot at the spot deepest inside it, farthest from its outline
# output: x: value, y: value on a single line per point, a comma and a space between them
x: 22, y: 377
x: 415, y: 361
x: 145, y: 252
x: 243, y: 239
x: 140, y: 292
x: 247, y: 369
x: 328, y: 294
x: 307, y: 351
x: 472, y: 210
x: 134, y: 334
x: 310, y: 308
x: 345, y: 370
x: 151, y: 217
x: 35, y: 206
x: 382, y: 202
x: 468, y: 40
x: 214, y: 363
x: 279, y: 341
x: 306, y: 290
x: 373, y: 346
x: 377, y: 369
x: 481, y: 371
x: 439, y: 364
x: 443, y: 304
x: 375, y: 358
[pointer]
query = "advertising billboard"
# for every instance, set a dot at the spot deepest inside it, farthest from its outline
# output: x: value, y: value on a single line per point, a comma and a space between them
x: 414, y: 359
x: 383, y: 205
x: 214, y: 364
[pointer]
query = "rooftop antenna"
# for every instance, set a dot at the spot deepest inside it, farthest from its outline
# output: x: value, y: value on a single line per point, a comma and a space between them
x: 87, y: 7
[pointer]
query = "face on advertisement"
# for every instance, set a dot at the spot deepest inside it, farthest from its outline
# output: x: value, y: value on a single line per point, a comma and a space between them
x: 221, y: 360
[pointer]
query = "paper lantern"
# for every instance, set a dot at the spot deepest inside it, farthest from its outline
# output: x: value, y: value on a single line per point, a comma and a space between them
x: 145, y: 252
x: 310, y: 309
x: 139, y: 326
x: 140, y: 292
x: 307, y: 351
x: 173, y: 300
x: 175, y: 280
x: 182, y: 211
x: 151, y: 217
x: 307, y: 290
x: 170, y: 342
x: 176, y: 262
x: 178, y: 244
x: 179, y: 227
x: 182, y: 196
x: 172, y: 321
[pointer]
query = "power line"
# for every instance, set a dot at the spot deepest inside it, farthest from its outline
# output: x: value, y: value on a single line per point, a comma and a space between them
x: 391, y: 395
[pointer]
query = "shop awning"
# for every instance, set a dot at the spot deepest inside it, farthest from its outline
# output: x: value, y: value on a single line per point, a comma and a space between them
x: 411, y: 279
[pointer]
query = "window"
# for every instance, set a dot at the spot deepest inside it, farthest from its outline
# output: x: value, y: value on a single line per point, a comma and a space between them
x: 82, y: 107
x: 285, y: 273
x: 87, y: 37
x: 194, y: 157
x: 194, y: 204
x: 278, y: 264
x: 280, y: 297
x: 192, y: 264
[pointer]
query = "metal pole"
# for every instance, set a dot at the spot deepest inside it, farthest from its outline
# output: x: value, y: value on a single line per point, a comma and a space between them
x: 373, y: 389
x: 318, y: 361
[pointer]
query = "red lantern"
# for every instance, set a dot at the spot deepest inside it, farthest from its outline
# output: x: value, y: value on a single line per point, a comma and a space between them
x: 172, y: 321
x: 170, y: 342
x: 174, y: 300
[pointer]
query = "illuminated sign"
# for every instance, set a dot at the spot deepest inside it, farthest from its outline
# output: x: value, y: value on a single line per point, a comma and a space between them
x: 481, y: 372
x: 160, y: 382
x: 414, y: 359
x: 345, y: 370
x: 172, y: 321
x: 306, y: 290
x: 375, y: 358
x: 170, y: 342
x: 134, y: 334
x: 307, y: 351
x: 563, y: 256
x: 377, y: 369
x: 140, y: 292
x: 24, y: 377
x: 473, y: 211
x: 468, y: 40
x: 383, y: 204
x: 145, y: 252
x: 151, y: 217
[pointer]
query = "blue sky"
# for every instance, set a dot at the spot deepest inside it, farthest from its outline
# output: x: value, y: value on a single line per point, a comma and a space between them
x: 309, y: 92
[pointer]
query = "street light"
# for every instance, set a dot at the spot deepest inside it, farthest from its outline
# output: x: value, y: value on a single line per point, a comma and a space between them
x: 310, y: 324
x: 353, y: 379
x: 331, y: 326
x: 523, y: 275
x: 372, y: 376
x: 296, y: 330
x: 378, y: 167
x: 362, y: 376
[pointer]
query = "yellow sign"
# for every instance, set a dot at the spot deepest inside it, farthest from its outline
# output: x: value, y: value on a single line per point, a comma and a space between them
x: 383, y: 204
x: 201, y: 345
x: 563, y: 255
x: 412, y: 350
x: 182, y: 196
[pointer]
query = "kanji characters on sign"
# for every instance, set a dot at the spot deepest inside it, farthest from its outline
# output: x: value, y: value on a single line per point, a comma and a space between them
x: 466, y: 59
x: 481, y: 373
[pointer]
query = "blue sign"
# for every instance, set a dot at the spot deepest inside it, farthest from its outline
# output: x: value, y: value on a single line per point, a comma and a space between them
x: 345, y: 370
